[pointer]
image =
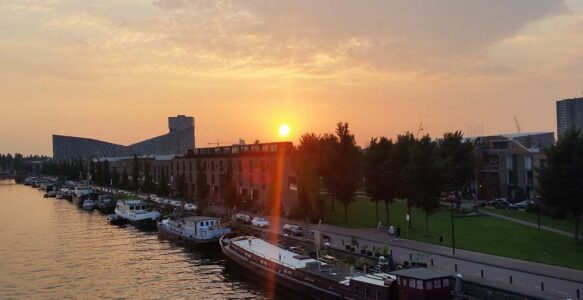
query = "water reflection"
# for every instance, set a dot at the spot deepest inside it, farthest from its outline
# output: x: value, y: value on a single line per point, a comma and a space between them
x: 51, y: 249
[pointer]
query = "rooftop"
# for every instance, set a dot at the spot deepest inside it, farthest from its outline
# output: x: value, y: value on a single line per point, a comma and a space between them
x: 272, y: 252
x: 421, y: 273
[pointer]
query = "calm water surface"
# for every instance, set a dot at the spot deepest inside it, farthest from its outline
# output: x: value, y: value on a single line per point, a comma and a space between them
x: 50, y: 249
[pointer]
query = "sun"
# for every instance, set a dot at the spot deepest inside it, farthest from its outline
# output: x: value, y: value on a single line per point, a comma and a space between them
x: 284, y: 130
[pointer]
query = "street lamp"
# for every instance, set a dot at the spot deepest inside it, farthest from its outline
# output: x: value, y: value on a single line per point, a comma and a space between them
x: 452, y: 229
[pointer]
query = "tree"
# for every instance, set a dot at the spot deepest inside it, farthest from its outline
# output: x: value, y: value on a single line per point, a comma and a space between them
x: 124, y: 184
x: 181, y: 187
x: 460, y: 160
x: 114, y: 177
x: 379, y: 177
x: 229, y: 188
x: 328, y: 164
x: 560, y: 178
x: 162, y: 187
x: 398, y: 163
x: 345, y: 172
x: 135, y: 174
x: 202, y: 187
x: 148, y: 184
x: 306, y: 165
x: 424, y: 177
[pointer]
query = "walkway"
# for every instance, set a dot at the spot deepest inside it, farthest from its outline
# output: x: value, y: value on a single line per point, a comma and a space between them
x: 526, y: 223
x: 528, y: 278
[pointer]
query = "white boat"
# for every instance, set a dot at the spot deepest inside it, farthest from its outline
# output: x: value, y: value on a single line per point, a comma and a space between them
x: 88, y: 204
x: 81, y: 191
x: 134, y: 211
x: 197, y: 229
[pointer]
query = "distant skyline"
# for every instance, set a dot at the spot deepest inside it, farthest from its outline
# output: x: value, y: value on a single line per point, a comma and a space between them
x: 115, y: 70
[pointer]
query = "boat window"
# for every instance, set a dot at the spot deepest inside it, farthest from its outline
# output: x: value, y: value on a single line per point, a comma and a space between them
x: 412, y: 283
x: 131, y: 207
x: 366, y: 292
x: 201, y: 223
x: 445, y: 282
x: 356, y: 290
x: 419, y: 284
x: 437, y: 283
x: 429, y: 285
x: 206, y: 223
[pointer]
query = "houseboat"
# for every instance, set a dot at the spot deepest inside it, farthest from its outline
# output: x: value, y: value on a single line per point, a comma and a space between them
x: 135, y: 212
x: 105, y: 204
x: 319, y: 280
x: 80, y: 194
x: 193, y: 230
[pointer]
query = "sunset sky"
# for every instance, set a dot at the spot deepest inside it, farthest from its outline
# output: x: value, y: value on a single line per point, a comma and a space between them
x: 115, y: 70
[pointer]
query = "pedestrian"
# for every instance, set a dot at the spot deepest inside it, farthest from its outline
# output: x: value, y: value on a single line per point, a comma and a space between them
x: 391, y: 232
x: 398, y: 232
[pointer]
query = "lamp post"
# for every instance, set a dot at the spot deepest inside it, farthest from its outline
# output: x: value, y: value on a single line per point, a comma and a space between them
x: 452, y: 229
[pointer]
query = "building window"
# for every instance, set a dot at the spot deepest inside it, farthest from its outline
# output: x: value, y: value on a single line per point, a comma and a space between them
x: 240, y: 166
x: 212, y: 166
x: 262, y: 166
x: 509, y: 163
x: 528, y: 163
x: 190, y: 166
x: 251, y: 166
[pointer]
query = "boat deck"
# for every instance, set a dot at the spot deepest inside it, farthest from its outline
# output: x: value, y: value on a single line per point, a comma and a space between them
x: 273, y: 253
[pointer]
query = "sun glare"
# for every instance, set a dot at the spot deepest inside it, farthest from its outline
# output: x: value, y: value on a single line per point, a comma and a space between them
x: 284, y: 130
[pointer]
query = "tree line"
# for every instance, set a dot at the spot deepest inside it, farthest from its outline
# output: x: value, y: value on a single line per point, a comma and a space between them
x: 19, y: 163
x: 417, y: 170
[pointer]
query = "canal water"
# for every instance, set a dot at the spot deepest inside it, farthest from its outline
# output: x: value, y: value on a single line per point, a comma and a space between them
x: 50, y: 249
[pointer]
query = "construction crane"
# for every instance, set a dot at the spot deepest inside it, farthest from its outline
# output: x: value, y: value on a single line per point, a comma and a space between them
x: 517, y: 125
x: 218, y: 143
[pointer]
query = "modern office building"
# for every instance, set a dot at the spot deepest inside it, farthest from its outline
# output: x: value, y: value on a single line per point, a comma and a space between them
x: 179, y: 139
x: 508, y: 164
x: 569, y: 115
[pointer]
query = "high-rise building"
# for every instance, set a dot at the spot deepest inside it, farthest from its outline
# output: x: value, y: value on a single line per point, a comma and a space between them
x: 569, y: 115
x: 179, y: 139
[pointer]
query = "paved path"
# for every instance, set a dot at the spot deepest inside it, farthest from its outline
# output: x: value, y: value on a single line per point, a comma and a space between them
x: 526, y: 223
x: 529, y: 278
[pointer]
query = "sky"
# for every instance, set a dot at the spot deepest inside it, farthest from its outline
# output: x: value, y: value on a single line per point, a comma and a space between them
x: 115, y: 70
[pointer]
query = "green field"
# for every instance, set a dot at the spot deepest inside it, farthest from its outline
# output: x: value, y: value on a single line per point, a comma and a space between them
x: 480, y: 233
x: 562, y: 224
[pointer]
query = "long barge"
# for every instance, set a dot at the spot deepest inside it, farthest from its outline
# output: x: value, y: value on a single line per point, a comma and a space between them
x: 305, y: 275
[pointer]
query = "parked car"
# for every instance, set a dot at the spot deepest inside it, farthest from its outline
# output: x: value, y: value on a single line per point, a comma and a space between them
x: 293, y: 229
x: 245, y: 218
x: 522, y: 204
x: 499, y: 203
x: 260, y: 222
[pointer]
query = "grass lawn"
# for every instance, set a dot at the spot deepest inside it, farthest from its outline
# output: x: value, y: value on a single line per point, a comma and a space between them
x: 562, y: 224
x: 480, y: 233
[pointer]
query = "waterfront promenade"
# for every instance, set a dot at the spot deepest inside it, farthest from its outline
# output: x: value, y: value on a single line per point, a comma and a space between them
x: 524, y: 277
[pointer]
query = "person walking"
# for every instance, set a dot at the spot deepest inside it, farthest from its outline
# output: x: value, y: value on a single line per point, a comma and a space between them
x: 391, y: 232
x: 398, y: 232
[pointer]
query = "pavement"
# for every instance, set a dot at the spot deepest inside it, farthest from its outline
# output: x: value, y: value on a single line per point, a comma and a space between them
x: 527, y: 278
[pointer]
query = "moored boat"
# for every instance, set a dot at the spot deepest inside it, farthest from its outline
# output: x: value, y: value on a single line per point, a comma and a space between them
x: 105, y: 204
x: 135, y: 212
x: 193, y: 230
x: 308, y: 276
x: 88, y: 204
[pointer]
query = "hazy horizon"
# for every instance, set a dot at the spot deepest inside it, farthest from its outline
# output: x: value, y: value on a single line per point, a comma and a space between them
x: 115, y: 70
